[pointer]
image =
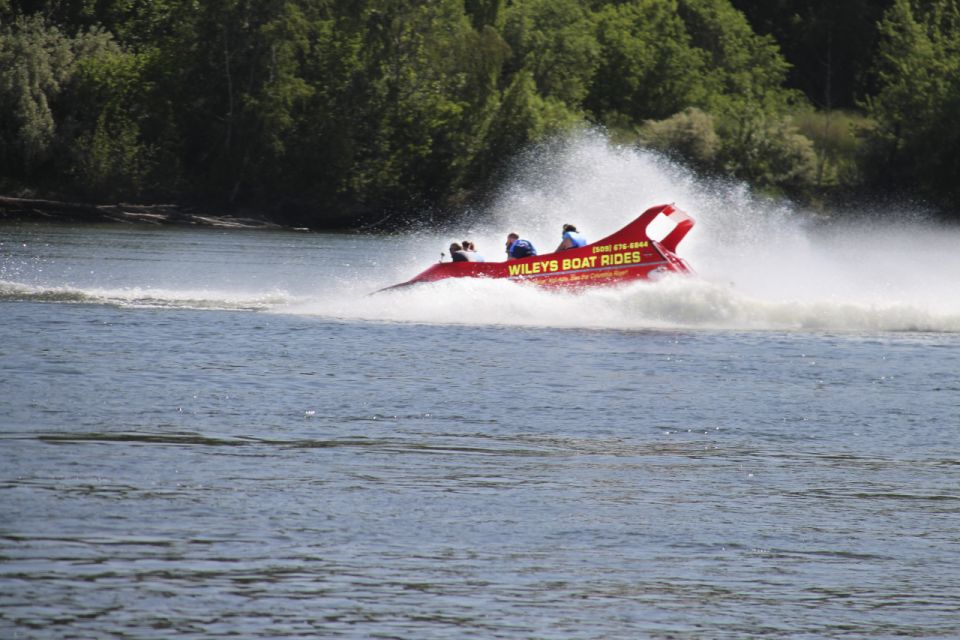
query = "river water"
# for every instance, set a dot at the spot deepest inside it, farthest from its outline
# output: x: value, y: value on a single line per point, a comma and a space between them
x: 218, y: 433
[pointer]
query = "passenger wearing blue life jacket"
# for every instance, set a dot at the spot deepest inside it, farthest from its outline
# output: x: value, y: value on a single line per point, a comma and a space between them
x: 517, y: 248
x: 572, y: 239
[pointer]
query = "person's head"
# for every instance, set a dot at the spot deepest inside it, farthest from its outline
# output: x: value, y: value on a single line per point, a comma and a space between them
x: 467, y: 245
x: 569, y: 227
x: 455, y: 247
x: 512, y: 238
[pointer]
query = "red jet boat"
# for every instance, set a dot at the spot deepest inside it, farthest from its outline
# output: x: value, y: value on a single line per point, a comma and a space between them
x: 624, y: 256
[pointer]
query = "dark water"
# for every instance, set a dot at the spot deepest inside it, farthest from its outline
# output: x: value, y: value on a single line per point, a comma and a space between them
x: 260, y: 471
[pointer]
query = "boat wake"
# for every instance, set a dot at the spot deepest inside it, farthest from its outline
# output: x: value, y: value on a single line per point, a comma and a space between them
x: 145, y: 298
x: 675, y: 302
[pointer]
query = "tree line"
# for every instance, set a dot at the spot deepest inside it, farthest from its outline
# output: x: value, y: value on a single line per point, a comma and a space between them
x: 335, y: 111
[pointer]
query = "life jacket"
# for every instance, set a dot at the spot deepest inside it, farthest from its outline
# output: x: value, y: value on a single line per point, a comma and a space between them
x: 522, y: 249
x: 575, y: 237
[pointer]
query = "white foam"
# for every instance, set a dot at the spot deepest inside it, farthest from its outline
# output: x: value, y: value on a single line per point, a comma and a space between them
x: 672, y: 303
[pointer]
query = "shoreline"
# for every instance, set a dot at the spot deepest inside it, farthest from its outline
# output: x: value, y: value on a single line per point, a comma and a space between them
x: 43, y: 210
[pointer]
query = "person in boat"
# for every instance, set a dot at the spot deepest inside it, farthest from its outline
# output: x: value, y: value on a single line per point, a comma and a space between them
x: 572, y: 239
x: 457, y: 254
x: 471, y: 250
x: 518, y: 248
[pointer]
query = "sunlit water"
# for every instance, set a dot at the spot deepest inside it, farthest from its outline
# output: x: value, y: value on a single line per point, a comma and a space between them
x: 219, y: 433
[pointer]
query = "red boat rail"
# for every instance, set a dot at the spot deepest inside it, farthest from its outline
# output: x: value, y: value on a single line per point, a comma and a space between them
x: 626, y: 255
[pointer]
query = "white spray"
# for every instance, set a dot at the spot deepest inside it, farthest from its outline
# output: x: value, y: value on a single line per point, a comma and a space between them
x: 760, y: 264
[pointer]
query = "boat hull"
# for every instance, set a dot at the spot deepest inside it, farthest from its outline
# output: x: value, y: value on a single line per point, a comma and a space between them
x: 624, y: 256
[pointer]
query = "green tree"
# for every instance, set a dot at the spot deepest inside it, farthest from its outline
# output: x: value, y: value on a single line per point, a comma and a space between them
x: 404, y: 97
x: 830, y: 45
x: 916, y: 142
x: 554, y: 41
x: 35, y: 62
x: 745, y: 92
x: 40, y: 115
x: 230, y: 73
x: 105, y: 149
x: 648, y: 69
x: 420, y: 98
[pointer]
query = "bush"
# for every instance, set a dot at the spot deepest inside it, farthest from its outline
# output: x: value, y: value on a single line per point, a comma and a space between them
x: 775, y: 155
x: 787, y: 159
x: 835, y: 143
x: 689, y: 135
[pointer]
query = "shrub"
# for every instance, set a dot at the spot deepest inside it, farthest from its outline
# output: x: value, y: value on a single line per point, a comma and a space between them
x: 689, y: 135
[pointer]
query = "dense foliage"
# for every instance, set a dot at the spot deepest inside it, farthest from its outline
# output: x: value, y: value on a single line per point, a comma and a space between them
x: 327, y: 111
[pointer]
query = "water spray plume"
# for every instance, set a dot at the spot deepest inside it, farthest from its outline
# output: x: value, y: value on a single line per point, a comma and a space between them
x: 761, y: 264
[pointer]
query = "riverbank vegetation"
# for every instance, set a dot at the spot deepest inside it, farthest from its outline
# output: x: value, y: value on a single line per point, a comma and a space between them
x: 333, y: 112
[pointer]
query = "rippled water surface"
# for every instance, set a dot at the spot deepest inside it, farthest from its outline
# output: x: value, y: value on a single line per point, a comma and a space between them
x: 174, y: 465
x: 209, y: 434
